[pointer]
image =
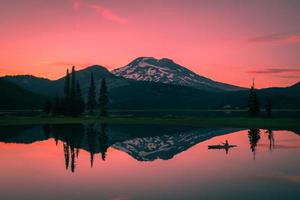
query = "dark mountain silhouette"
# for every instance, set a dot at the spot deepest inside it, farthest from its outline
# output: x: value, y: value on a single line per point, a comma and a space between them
x: 13, y: 96
x: 99, y: 72
x: 141, y: 95
x: 149, y: 95
x: 296, y: 86
x: 30, y: 83
x: 34, y: 84
x: 51, y: 88
x: 132, y: 94
x: 167, y: 71
x: 292, y: 90
x: 284, y: 97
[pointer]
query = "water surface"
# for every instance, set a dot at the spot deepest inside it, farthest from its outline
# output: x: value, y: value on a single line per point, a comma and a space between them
x: 117, y: 162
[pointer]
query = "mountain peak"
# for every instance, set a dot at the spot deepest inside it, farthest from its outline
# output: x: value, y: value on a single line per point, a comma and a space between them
x: 166, y: 60
x: 24, y: 77
x: 95, y: 68
x: 151, y: 60
x: 99, y: 72
x: 166, y: 71
x: 296, y: 85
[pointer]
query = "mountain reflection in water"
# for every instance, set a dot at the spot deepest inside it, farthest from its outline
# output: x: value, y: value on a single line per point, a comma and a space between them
x: 105, y: 161
x: 143, y: 143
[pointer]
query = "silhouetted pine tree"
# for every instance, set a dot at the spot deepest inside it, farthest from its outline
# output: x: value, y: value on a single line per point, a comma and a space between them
x: 91, y: 103
x: 103, y: 99
x: 253, y: 103
x: 79, y: 102
x: 72, y: 103
x: 73, y: 85
x: 67, y: 93
x: 47, y: 107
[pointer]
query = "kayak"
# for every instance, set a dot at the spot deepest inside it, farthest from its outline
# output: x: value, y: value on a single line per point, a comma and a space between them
x: 220, y: 146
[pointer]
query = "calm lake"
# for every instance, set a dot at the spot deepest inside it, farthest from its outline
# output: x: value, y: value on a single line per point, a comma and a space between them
x: 126, y: 162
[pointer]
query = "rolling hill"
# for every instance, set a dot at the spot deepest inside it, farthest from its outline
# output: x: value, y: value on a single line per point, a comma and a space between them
x: 14, y: 97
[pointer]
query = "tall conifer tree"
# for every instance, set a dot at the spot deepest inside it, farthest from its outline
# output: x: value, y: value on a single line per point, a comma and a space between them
x: 67, y: 94
x: 73, y: 84
x: 253, y: 102
x: 91, y: 103
x: 67, y: 85
x: 103, y: 99
x: 72, y: 105
x: 79, y: 102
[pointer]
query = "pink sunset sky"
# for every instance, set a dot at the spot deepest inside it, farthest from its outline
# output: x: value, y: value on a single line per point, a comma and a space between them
x: 230, y: 41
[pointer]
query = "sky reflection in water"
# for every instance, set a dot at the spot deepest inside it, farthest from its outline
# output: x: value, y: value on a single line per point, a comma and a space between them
x: 147, y: 162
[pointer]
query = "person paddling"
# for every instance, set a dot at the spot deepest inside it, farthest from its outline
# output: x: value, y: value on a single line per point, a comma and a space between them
x: 226, y: 144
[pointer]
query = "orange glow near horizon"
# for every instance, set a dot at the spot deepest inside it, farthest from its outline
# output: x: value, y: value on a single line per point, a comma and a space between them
x: 226, y: 41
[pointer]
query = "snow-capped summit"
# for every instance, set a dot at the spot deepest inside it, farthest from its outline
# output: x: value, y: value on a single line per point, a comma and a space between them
x: 167, y: 71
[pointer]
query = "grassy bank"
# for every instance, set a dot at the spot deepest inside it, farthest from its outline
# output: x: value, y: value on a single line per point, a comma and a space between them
x: 276, y: 123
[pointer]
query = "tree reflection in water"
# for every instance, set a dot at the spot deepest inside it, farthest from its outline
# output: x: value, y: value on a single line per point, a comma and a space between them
x: 91, y: 135
x: 103, y: 138
x: 72, y: 138
x: 94, y: 139
x: 271, y: 139
x: 254, y: 137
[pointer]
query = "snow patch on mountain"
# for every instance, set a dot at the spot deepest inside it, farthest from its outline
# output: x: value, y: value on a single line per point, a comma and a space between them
x: 166, y: 71
x: 166, y: 146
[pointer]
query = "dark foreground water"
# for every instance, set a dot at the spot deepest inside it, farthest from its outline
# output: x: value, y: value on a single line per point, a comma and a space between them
x: 119, y: 162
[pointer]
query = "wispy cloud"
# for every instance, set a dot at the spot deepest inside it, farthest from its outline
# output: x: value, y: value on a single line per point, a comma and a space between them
x: 108, y: 14
x: 274, y: 71
x: 289, y: 76
x: 105, y: 12
x: 276, y: 38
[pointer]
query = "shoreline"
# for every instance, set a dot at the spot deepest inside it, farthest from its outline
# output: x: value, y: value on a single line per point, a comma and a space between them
x: 232, y: 122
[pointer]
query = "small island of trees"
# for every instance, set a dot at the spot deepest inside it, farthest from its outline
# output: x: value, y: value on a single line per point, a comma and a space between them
x: 72, y: 104
x: 254, y: 105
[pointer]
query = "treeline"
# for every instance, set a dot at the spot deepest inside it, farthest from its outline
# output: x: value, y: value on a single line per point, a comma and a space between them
x: 72, y: 103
